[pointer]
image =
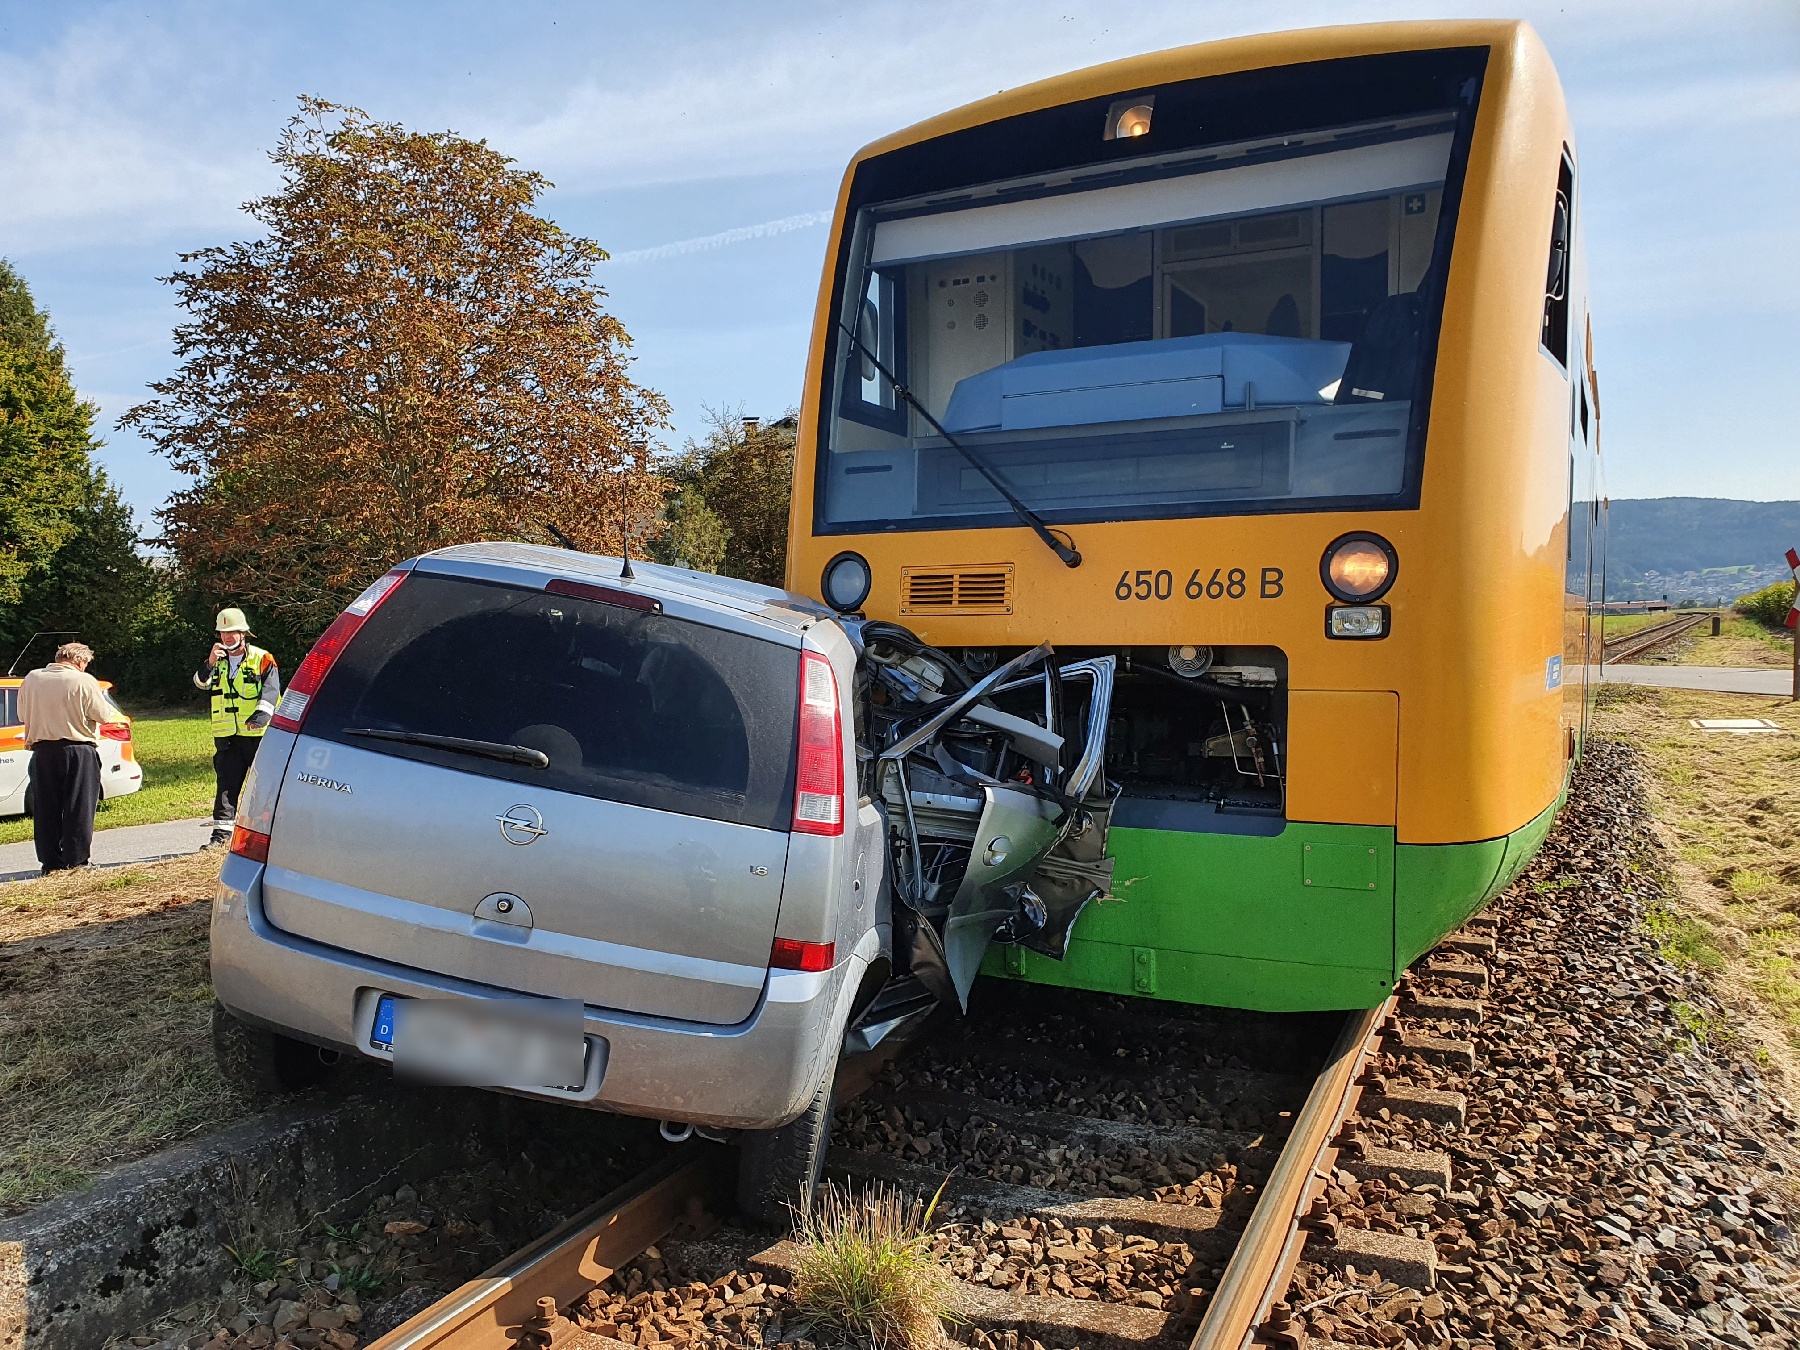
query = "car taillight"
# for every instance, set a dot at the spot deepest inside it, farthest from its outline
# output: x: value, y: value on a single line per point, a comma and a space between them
x: 791, y: 955
x: 116, y: 731
x: 291, y: 712
x: 251, y: 844
x: 819, y: 785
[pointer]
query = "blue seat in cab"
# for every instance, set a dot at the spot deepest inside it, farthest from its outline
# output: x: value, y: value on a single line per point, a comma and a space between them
x: 1168, y: 377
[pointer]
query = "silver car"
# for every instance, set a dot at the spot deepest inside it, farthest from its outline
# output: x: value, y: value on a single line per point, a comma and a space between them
x: 507, y: 771
x: 529, y: 820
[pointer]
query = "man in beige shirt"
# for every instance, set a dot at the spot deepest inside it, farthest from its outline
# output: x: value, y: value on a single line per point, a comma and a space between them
x: 62, y: 707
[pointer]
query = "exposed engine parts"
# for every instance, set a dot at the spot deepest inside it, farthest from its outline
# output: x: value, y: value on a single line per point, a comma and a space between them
x: 1201, y: 725
x: 999, y: 776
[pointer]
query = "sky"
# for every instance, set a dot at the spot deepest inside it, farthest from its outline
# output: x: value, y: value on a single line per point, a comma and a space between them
x: 702, y: 143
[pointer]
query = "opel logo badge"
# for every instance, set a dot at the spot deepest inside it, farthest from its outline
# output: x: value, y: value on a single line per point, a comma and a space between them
x: 521, y: 824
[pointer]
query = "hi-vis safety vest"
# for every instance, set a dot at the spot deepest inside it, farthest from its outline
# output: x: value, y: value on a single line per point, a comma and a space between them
x: 234, y: 700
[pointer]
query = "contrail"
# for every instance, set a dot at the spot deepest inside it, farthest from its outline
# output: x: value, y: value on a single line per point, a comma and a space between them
x: 724, y: 237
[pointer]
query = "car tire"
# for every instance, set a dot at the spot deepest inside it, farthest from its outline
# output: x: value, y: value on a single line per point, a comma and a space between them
x: 264, y: 1063
x: 779, y: 1169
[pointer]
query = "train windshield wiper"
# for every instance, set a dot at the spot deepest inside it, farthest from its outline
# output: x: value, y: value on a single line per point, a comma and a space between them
x: 461, y: 745
x: 1070, y: 556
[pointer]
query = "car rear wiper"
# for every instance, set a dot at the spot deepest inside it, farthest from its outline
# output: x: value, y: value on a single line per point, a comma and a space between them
x: 1063, y: 548
x: 462, y: 745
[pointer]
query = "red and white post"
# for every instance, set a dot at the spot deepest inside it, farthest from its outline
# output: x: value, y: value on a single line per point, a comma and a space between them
x: 1793, y: 617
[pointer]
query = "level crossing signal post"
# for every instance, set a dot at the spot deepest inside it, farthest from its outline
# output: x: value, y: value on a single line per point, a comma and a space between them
x: 1793, y: 617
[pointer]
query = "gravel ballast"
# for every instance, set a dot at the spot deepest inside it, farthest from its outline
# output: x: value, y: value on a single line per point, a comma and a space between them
x: 1620, y: 1181
x: 1621, y: 1172
x: 344, y: 1285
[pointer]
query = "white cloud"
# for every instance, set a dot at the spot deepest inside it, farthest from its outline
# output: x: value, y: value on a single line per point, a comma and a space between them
x: 115, y: 130
x: 706, y: 242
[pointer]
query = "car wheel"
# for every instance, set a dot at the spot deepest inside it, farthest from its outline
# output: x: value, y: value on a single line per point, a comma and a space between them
x: 778, y: 1170
x: 264, y: 1063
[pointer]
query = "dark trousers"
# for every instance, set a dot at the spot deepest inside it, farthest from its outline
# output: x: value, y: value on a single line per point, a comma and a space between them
x: 231, y: 761
x: 65, y: 789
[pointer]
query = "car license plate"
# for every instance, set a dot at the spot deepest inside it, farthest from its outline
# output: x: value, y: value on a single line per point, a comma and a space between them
x: 524, y: 1043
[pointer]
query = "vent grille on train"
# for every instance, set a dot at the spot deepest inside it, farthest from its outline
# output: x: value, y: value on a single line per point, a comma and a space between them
x: 982, y: 589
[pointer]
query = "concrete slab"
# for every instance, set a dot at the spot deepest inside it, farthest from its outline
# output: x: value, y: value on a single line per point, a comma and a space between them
x: 117, y: 847
x: 82, y: 1270
x: 1769, y: 680
x: 1404, y: 1260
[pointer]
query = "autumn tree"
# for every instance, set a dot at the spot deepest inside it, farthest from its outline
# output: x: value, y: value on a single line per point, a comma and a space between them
x: 728, y: 505
x: 410, y: 357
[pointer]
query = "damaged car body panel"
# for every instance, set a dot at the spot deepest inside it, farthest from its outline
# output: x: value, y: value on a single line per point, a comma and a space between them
x: 995, y: 831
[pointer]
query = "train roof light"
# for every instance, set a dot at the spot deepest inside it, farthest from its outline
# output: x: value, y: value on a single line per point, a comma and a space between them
x: 1129, y: 118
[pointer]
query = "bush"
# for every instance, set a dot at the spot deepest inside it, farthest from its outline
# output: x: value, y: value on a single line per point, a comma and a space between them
x: 1769, y: 606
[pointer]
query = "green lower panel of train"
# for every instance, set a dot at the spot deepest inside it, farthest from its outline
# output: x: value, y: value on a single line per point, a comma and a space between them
x: 1317, y: 917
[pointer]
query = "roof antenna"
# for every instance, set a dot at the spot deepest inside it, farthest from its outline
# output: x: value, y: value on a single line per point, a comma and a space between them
x: 625, y: 572
x: 49, y: 632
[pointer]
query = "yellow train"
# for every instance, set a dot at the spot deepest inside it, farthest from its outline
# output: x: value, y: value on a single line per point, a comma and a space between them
x: 1265, y: 367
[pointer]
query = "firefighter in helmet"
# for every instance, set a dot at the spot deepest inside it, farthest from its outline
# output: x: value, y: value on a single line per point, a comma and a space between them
x: 245, y: 684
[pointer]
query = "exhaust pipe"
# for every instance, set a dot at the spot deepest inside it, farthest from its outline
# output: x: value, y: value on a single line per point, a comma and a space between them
x: 675, y: 1131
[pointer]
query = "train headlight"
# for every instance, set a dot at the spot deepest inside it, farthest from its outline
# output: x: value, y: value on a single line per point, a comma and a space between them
x: 1356, y: 621
x: 846, y: 582
x: 1359, y: 568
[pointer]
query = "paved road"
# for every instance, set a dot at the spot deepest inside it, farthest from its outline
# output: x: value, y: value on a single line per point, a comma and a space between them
x: 126, y: 844
x: 1711, y: 679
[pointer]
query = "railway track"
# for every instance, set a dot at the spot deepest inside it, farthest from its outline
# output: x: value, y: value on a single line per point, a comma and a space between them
x: 1656, y: 635
x: 1121, y: 1175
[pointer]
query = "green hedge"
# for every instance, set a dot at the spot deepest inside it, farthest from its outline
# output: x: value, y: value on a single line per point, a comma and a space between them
x: 1769, y: 606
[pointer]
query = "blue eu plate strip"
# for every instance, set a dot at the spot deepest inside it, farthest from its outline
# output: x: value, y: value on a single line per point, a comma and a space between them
x: 382, y: 1037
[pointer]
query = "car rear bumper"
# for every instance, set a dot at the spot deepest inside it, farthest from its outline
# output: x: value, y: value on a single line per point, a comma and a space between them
x: 758, y: 1074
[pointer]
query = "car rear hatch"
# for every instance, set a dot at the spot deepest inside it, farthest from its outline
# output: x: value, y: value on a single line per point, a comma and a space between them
x: 640, y: 868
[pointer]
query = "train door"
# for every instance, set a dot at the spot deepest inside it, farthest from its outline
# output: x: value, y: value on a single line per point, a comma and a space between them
x: 1563, y: 302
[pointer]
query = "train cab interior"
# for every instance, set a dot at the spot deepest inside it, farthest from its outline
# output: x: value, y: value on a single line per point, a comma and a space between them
x: 1145, y: 348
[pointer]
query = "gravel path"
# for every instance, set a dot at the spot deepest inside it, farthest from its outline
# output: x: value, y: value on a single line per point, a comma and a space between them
x: 1617, y: 1182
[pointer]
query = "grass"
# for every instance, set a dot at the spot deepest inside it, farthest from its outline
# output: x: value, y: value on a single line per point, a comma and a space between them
x: 105, y: 1023
x: 865, y: 1269
x: 175, y: 747
x: 1729, y: 812
x: 255, y: 1266
x: 1741, y: 642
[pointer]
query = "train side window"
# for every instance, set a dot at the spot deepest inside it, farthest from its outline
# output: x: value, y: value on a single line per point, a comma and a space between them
x: 1555, y: 337
x: 881, y: 343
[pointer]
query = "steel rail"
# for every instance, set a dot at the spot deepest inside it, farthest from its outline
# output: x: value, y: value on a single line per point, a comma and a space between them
x: 1269, y: 1249
x: 500, y: 1306
x: 1632, y: 644
x: 569, y: 1260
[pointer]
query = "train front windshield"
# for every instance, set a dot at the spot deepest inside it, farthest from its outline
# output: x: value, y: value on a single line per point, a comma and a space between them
x: 1243, y: 329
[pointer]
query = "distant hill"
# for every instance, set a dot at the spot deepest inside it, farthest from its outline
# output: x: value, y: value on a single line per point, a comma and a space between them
x: 1697, y: 548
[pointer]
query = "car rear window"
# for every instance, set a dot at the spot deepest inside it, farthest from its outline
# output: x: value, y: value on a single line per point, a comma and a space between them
x: 629, y: 706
